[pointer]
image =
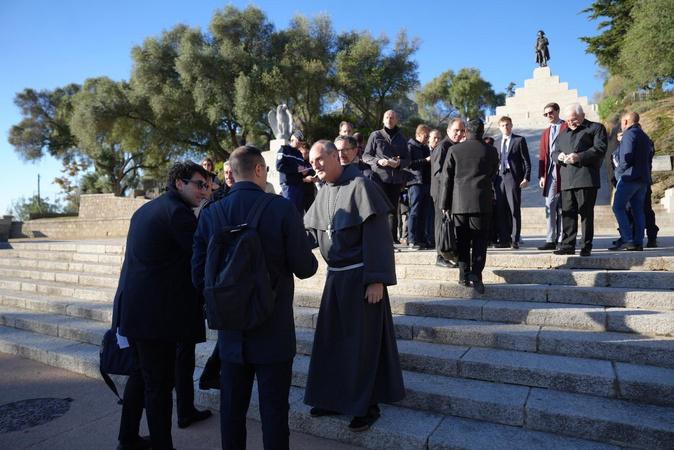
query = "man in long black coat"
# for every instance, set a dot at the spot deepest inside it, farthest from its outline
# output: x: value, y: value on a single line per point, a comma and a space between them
x: 455, y: 133
x: 580, y: 151
x: 156, y: 304
x: 266, y: 352
x: 354, y: 361
x: 467, y: 193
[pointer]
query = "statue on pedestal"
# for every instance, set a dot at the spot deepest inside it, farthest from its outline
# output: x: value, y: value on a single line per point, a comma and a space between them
x: 542, y: 52
x: 281, y: 122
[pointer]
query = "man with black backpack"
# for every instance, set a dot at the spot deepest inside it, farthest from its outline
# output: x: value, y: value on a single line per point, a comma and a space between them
x: 245, y: 231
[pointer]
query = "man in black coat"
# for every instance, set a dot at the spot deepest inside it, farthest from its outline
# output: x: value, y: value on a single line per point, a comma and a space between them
x: 156, y: 304
x: 455, y: 133
x: 419, y: 189
x: 580, y: 151
x: 386, y: 153
x: 513, y: 176
x: 467, y: 193
x: 266, y: 352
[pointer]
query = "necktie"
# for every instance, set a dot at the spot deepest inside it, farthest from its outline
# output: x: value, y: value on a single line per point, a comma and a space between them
x: 504, y: 154
x: 553, y: 135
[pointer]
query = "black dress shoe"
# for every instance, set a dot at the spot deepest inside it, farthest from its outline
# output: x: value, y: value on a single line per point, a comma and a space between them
x: 363, y: 423
x: 618, y: 242
x: 476, y: 282
x: 627, y: 248
x: 141, y: 443
x: 320, y: 412
x: 565, y: 251
x: 502, y: 245
x: 652, y: 243
x: 548, y: 246
x: 196, y: 416
x: 465, y: 283
x: 209, y: 383
x: 442, y: 262
x: 585, y: 252
x: 515, y: 245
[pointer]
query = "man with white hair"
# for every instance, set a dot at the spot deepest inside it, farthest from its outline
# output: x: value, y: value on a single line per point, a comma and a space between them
x: 580, y: 151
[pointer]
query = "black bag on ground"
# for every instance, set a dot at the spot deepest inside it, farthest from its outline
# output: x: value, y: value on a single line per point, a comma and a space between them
x: 447, y: 244
x: 237, y: 286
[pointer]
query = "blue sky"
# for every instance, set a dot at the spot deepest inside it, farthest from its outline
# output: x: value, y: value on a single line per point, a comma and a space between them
x: 47, y: 44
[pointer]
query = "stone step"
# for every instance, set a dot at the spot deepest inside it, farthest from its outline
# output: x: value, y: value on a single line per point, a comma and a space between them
x: 612, y: 346
x: 111, y: 246
x: 541, y: 293
x: 575, y: 317
x: 64, y: 277
x: 59, y: 265
x: 640, y: 426
x: 628, y: 381
x: 58, y: 289
x: 64, y: 255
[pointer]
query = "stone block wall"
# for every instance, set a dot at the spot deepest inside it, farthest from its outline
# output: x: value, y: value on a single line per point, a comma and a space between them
x: 107, y: 206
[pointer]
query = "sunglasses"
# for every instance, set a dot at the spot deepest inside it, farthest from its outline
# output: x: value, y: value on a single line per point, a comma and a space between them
x: 198, y: 183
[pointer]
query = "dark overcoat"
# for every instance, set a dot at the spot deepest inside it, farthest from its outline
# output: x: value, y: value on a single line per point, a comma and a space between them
x: 287, y: 252
x: 589, y: 141
x: 155, y: 294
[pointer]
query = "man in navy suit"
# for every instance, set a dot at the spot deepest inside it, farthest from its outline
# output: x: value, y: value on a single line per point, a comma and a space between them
x: 513, y: 176
x: 266, y: 352
x: 156, y: 305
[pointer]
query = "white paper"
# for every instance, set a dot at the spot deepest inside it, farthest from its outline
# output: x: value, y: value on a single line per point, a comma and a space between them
x: 122, y: 342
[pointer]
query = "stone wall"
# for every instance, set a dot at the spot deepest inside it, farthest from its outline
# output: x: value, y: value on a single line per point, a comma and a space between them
x: 107, y: 206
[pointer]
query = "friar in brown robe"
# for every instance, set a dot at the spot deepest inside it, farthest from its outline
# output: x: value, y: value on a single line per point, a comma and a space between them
x: 354, y: 361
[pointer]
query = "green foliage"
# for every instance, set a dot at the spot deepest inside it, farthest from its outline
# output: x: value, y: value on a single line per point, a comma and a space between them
x: 647, y: 53
x: 609, y: 107
x: 606, y: 46
x: 369, y: 79
x: 464, y: 94
x: 34, y: 206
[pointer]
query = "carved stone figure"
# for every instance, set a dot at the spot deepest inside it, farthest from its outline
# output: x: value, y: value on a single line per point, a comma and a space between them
x: 542, y: 52
x: 281, y: 122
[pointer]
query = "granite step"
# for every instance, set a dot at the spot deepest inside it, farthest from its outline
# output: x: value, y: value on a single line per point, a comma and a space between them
x: 604, y: 420
x: 640, y: 383
x: 59, y: 265
x: 58, y: 289
x: 62, y: 255
x: 60, y: 276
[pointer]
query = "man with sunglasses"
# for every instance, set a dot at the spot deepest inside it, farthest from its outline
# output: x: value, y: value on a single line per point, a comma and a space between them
x: 549, y: 178
x: 156, y: 305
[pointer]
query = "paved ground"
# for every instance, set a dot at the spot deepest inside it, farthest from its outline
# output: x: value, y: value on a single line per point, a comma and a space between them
x: 93, y: 419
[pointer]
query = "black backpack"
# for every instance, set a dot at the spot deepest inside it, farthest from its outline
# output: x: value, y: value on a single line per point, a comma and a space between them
x: 237, y: 286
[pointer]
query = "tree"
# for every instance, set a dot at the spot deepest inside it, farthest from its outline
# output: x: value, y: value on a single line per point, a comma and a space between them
x: 106, y: 123
x: 303, y: 76
x: 463, y: 94
x: 607, y: 45
x: 647, y: 54
x: 34, y: 206
x: 369, y: 79
x: 45, y: 127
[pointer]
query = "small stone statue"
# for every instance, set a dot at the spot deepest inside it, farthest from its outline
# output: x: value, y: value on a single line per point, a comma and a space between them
x: 281, y: 121
x: 542, y: 52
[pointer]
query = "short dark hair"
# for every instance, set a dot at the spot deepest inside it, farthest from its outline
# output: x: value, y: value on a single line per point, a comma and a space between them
x: 475, y: 129
x: 184, y: 170
x: 358, y: 136
x: 505, y: 119
x: 350, y: 141
x: 552, y: 105
x: 244, y: 159
x: 422, y: 128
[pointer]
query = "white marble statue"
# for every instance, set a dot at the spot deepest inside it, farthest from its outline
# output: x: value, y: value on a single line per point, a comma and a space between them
x: 281, y: 122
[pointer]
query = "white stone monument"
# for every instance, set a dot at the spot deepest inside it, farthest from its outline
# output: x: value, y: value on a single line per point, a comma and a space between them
x: 525, y: 108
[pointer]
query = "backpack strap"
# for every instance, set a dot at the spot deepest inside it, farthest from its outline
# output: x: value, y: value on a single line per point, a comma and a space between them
x: 255, y: 213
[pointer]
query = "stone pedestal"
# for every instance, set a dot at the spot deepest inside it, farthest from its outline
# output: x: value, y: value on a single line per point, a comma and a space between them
x: 525, y: 108
x: 270, y: 159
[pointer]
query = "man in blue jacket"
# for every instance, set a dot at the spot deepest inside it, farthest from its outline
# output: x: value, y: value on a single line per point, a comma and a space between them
x: 420, y: 231
x: 266, y: 352
x: 292, y: 169
x: 632, y: 173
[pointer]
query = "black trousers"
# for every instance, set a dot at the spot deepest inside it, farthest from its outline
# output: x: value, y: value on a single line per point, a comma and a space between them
x: 508, y: 208
x: 212, y: 366
x: 157, y: 365
x: 437, y: 223
x: 392, y: 192
x: 184, y: 376
x: 577, y: 202
x: 472, y: 236
x: 236, y: 385
x: 132, y: 409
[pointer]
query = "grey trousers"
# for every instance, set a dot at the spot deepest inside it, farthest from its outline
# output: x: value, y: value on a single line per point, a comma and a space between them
x: 553, y: 216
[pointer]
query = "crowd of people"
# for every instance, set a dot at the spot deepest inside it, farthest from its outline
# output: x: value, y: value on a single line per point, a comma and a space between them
x: 345, y: 197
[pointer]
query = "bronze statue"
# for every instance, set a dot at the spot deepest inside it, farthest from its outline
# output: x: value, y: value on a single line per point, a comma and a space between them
x: 542, y: 52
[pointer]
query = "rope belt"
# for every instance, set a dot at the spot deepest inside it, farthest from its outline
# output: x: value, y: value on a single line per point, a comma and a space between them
x: 342, y: 269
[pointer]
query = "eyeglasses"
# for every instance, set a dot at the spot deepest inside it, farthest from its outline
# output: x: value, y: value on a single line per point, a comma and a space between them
x: 549, y: 113
x: 345, y: 149
x: 198, y: 183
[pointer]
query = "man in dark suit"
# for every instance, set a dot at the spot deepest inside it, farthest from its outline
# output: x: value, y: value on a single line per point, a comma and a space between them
x: 158, y: 305
x: 580, y: 151
x: 455, y: 133
x: 467, y: 193
x: 513, y: 176
x: 386, y: 153
x: 266, y: 352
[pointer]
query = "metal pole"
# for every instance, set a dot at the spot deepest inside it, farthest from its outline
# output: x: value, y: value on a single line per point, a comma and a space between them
x: 39, y: 202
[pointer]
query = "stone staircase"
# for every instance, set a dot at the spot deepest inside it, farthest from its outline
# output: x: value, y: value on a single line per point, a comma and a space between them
x: 560, y: 352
